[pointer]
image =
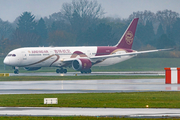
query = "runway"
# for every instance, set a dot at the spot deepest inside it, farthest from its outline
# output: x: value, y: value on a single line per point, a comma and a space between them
x: 86, y: 86
x: 121, y: 112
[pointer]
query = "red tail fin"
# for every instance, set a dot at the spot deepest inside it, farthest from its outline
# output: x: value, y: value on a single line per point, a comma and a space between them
x: 126, y: 40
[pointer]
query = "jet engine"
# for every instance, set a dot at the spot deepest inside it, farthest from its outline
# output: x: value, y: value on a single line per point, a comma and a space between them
x: 32, y: 68
x: 81, y: 64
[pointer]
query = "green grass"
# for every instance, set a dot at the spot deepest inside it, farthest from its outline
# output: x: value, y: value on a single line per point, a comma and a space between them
x: 141, y: 64
x: 80, y: 118
x: 102, y: 77
x: 91, y: 100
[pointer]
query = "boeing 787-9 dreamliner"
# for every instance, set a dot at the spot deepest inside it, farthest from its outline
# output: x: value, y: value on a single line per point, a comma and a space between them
x: 80, y: 58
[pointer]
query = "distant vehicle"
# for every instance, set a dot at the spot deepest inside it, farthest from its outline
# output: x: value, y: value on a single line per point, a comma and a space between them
x: 80, y: 58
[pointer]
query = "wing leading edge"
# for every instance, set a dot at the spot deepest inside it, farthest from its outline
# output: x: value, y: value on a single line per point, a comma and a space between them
x: 128, y: 54
x: 103, y: 57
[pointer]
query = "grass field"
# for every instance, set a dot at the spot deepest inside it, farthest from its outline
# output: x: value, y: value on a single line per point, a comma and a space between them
x: 102, y: 100
x: 80, y: 118
x: 134, y: 64
x: 101, y: 77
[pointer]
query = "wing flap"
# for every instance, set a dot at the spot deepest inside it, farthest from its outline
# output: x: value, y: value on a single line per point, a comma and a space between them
x: 126, y: 54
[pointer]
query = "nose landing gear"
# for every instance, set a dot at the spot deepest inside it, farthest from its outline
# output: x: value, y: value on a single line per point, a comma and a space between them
x: 16, y: 70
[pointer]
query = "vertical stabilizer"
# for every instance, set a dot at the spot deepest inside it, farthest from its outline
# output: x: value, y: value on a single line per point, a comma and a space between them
x: 126, y: 40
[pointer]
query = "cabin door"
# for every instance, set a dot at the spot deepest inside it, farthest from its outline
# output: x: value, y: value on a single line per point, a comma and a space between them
x: 24, y: 55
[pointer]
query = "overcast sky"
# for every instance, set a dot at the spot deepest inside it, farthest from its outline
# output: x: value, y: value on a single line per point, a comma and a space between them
x: 10, y: 9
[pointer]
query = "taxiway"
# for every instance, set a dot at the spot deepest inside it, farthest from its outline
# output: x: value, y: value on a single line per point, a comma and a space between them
x: 121, y: 112
x: 93, y: 73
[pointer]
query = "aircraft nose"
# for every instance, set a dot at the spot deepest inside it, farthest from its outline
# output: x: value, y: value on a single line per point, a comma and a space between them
x: 6, y: 61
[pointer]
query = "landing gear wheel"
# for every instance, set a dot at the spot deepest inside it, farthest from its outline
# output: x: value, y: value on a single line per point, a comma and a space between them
x: 57, y: 70
x: 16, y: 71
x: 86, y: 71
x: 61, y: 70
x: 89, y: 71
x: 65, y: 70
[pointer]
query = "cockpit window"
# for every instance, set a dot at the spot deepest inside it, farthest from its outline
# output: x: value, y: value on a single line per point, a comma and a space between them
x: 13, y: 55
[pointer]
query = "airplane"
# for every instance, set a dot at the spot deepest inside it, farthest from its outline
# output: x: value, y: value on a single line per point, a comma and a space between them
x: 79, y: 58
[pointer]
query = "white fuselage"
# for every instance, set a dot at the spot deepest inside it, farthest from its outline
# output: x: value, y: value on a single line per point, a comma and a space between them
x: 54, y: 56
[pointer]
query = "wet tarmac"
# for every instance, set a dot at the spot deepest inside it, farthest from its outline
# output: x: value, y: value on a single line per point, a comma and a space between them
x: 109, y: 112
x: 86, y: 86
x: 93, y: 73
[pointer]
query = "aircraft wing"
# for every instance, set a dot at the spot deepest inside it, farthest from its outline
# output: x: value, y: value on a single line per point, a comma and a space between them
x: 127, y: 54
x: 103, y: 57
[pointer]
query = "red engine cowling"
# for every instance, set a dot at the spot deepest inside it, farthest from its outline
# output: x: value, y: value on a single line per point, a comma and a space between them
x: 81, y: 64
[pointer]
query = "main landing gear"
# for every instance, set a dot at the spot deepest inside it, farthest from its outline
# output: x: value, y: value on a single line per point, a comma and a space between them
x: 86, y: 71
x: 61, y: 70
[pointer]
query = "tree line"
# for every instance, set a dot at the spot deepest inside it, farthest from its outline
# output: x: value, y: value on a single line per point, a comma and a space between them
x: 82, y: 23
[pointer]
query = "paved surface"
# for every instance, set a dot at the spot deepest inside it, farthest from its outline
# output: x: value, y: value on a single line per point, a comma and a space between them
x: 123, y: 112
x: 86, y: 86
x: 93, y: 73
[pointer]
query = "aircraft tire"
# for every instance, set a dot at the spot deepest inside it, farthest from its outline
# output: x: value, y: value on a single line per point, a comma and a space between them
x: 57, y: 70
x: 88, y: 71
x: 16, y: 71
x: 61, y: 70
x: 64, y: 70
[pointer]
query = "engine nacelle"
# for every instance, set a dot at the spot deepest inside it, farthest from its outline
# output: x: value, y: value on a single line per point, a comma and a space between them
x: 32, y: 68
x: 81, y: 64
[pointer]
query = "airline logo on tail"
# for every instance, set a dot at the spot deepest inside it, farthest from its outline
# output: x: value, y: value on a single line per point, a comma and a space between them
x: 126, y: 40
x: 129, y: 37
